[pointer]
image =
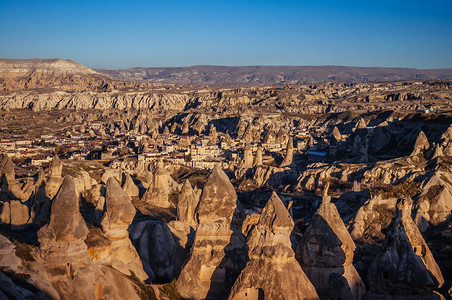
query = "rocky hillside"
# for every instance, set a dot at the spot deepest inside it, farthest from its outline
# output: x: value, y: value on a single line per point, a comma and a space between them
x: 264, y: 75
x: 55, y: 65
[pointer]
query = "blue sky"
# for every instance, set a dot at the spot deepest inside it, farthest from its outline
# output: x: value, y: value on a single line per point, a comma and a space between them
x: 122, y: 34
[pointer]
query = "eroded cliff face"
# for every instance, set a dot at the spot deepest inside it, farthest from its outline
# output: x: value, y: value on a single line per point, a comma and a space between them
x: 39, y: 89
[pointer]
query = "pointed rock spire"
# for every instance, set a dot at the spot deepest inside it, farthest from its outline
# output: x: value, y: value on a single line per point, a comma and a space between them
x: 275, y: 216
x: 119, y: 210
x: 336, y: 135
x: 7, y: 167
x: 211, y: 269
x: 258, y: 161
x: 434, y: 204
x: 288, y: 159
x: 218, y: 200
x: 325, y: 197
x: 247, y: 157
x: 66, y: 223
x: 361, y: 124
x: 130, y: 187
x: 405, y: 266
x: 186, y: 204
x: 326, y: 251
x: 272, y: 271
x: 158, y: 191
x: 421, y: 143
x: 447, y: 135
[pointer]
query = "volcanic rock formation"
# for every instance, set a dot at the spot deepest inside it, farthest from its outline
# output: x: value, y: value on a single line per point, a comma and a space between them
x: 405, y: 267
x: 219, y: 250
x: 158, y: 191
x: 119, y: 214
x: 272, y: 271
x: 186, y: 205
x: 288, y: 158
x: 326, y: 255
x: 65, y: 255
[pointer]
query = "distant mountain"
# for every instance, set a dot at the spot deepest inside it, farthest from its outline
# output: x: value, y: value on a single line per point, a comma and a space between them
x: 267, y: 75
x: 55, y: 65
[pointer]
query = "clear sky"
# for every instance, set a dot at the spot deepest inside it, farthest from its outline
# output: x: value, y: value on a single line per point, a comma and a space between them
x: 122, y: 34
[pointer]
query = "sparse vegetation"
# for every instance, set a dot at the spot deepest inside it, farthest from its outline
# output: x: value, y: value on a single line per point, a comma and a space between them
x: 406, y: 188
x: 169, y: 290
x: 96, y: 237
x: 24, y: 251
x: 145, y: 291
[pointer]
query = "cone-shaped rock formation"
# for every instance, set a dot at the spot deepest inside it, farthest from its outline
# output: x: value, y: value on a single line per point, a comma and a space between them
x: 288, y: 159
x: 219, y: 250
x: 326, y: 254
x: 405, y: 266
x: 186, y: 205
x: 421, y: 143
x: 130, y: 187
x: 272, y: 272
x: 119, y: 214
x: 158, y: 191
x: 66, y: 223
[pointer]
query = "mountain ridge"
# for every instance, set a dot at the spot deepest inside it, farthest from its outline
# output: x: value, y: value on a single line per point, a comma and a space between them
x: 265, y: 75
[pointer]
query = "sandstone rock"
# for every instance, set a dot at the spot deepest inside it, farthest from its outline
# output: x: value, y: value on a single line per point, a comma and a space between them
x: 447, y: 135
x: 119, y: 214
x: 247, y: 157
x: 66, y: 224
x: 434, y: 204
x: 9, y: 188
x: 336, y: 135
x: 372, y: 217
x: 258, y: 160
x: 54, y: 180
x: 119, y: 211
x: 326, y: 255
x: 405, y: 265
x: 115, y: 173
x: 183, y: 236
x: 288, y: 159
x: 361, y: 124
x: 158, y: 192
x: 272, y: 271
x: 65, y: 255
x: 157, y: 249
x: 218, y: 253
x: 8, y: 257
x: 55, y: 167
x: 282, y: 137
x: 20, y: 215
x: 380, y: 139
x: 130, y: 187
x: 186, y: 205
x: 421, y: 144
x: 5, y: 213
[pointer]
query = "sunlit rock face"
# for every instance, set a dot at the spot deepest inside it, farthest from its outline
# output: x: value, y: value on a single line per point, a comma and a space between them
x: 66, y: 224
x: 9, y: 188
x: 405, y: 266
x: 272, y: 271
x: 326, y: 254
x: 186, y: 205
x: 118, y: 215
x: 158, y: 191
x: 288, y: 158
x: 219, y: 250
x: 130, y: 187
x: 421, y: 144
x: 434, y: 204
x: 65, y: 255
